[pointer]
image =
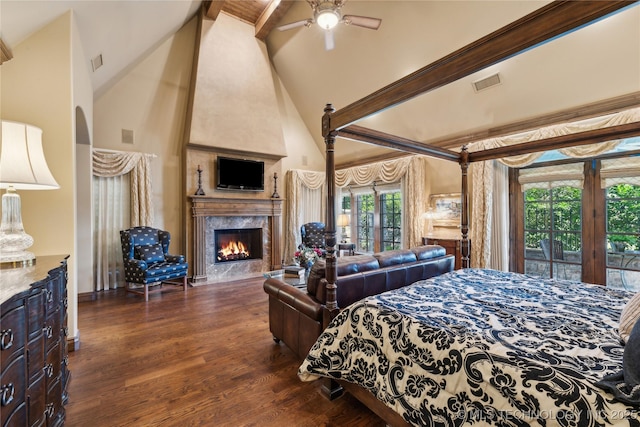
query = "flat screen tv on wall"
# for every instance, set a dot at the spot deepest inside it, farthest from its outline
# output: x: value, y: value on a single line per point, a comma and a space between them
x: 240, y: 174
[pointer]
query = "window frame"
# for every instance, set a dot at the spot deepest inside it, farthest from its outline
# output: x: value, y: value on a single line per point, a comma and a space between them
x: 593, y: 222
x: 377, y: 192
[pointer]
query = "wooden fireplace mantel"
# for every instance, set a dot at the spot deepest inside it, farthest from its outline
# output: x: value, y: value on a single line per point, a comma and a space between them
x: 204, y: 206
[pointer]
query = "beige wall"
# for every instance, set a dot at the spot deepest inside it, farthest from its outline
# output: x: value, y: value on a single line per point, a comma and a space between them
x: 37, y: 89
x: 234, y: 104
x: 151, y: 100
x: 82, y: 116
x: 445, y: 176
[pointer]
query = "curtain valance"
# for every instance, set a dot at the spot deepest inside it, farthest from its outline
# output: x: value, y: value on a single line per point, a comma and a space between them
x: 115, y: 163
x: 411, y: 172
x: 620, y: 171
x: 622, y: 117
x: 571, y: 175
x: 387, y: 171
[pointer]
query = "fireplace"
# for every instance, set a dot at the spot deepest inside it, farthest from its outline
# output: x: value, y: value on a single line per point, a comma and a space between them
x: 211, y: 214
x: 238, y: 244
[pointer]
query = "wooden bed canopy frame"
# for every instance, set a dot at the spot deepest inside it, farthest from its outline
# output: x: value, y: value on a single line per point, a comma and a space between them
x: 550, y: 21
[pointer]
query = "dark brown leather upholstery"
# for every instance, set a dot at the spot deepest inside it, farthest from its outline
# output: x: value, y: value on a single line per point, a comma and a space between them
x: 295, y: 316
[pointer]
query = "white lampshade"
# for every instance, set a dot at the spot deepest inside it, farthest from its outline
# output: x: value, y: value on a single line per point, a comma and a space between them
x: 22, y: 167
x: 343, y: 220
x: 22, y: 162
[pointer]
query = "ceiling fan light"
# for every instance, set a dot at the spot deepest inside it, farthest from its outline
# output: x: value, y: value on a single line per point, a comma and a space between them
x: 328, y: 18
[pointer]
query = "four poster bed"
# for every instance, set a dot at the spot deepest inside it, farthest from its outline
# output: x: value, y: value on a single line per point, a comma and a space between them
x: 445, y: 351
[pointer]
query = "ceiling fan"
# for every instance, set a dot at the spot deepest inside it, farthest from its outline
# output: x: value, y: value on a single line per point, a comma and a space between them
x: 326, y: 13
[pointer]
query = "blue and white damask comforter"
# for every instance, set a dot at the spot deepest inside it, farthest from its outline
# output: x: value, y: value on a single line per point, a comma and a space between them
x: 482, y: 347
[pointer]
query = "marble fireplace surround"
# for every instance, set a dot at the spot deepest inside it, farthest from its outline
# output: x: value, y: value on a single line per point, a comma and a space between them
x: 211, y: 213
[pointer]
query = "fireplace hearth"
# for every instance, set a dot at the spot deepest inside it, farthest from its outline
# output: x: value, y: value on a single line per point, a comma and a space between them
x: 238, y: 244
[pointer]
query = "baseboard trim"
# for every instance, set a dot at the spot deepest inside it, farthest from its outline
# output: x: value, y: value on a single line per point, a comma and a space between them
x: 87, y: 296
x: 73, y: 343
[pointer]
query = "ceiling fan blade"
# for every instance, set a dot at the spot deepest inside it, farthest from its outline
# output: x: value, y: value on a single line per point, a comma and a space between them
x: 362, y: 21
x: 329, y: 42
x: 291, y: 26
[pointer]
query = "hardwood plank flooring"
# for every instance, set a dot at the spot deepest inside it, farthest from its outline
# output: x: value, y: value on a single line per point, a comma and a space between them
x: 206, y: 358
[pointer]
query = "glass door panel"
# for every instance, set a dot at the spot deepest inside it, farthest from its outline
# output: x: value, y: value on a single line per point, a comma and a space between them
x: 553, y: 232
x: 623, y: 236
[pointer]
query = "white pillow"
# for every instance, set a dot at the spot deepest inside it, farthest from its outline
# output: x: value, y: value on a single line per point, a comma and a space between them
x: 629, y: 317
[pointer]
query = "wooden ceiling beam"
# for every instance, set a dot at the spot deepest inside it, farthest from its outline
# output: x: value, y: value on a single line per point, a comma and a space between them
x: 370, y: 136
x: 212, y: 8
x: 552, y: 20
x: 270, y: 17
x: 5, y: 53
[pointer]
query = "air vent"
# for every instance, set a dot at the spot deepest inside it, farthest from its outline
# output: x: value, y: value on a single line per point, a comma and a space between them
x: 127, y: 136
x: 96, y: 62
x: 487, y: 82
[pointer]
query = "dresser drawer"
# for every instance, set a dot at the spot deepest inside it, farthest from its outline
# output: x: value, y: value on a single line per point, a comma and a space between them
x: 12, y: 387
x: 12, y: 334
x: 53, y: 410
x: 51, y: 296
x: 52, y: 330
x: 53, y: 366
x: 35, y: 357
x: 36, y: 402
x: 16, y: 418
x: 35, y: 305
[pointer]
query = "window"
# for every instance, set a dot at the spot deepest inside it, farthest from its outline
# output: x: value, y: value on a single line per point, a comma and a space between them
x: 376, y: 217
x: 364, y: 224
x: 580, y: 228
x: 553, y: 232
x: 391, y: 220
x: 623, y: 235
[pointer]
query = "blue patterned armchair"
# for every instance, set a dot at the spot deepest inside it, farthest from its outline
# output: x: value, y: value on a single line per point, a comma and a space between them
x: 147, y: 261
x: 312, y: 234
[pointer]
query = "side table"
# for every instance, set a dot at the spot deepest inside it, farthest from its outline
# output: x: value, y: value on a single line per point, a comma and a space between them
x: 350, y: 248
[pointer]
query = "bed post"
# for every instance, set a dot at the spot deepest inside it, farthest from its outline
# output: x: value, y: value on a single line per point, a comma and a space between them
x: 464, y: 226
x: 330, y: 388
x: 331, y: 271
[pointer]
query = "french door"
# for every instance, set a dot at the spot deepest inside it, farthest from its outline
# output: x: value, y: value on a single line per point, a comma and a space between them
x: 588, y: 230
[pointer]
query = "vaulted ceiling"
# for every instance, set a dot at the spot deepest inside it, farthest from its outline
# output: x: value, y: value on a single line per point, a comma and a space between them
x: 550, y: 83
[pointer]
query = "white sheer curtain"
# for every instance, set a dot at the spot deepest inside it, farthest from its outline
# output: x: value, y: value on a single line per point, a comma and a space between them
x: 111, y: 203
x: 122, y: 198
x: 499, y: 254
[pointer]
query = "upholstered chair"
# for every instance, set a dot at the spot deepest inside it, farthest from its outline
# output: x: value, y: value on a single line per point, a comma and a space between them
x: 145, y: 251
x: 312, y: 234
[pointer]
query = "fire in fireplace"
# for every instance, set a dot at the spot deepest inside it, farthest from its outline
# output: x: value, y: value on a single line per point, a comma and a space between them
x: 238, y: 244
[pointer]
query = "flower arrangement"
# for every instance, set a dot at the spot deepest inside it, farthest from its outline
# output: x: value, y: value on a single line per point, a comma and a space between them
x: 305, y: 256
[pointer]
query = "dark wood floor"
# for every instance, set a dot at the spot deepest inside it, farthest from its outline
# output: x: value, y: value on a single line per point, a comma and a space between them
x: 206, y: 359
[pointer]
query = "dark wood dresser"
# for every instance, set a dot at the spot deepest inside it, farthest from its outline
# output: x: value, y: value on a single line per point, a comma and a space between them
x: 451, y: 243
x: 33, y: 344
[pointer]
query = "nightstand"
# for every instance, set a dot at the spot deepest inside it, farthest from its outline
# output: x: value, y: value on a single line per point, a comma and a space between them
x: 453, y: 246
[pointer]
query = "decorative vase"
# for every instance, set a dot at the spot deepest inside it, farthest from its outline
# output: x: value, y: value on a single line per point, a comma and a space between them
x: 307, y: 266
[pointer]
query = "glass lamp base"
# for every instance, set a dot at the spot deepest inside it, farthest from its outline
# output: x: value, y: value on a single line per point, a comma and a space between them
x: 13, y: 240
x: 17, y: 259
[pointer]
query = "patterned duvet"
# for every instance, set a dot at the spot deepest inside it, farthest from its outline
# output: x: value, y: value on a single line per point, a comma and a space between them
x: 482, y: 347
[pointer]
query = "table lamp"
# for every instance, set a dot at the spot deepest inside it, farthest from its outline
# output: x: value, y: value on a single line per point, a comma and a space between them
x: 343, y: 221
x: 22, y: 167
